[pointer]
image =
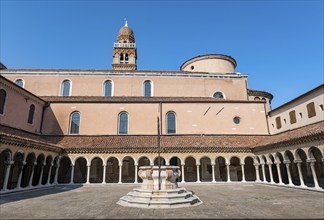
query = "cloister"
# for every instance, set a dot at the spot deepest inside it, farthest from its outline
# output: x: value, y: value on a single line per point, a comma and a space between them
x: 23, y: 170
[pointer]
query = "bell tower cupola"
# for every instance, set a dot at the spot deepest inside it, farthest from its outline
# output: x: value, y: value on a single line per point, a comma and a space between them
x: 124, y: 54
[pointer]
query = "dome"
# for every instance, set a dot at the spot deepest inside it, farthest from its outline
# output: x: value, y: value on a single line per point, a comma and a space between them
x: 126, y: 35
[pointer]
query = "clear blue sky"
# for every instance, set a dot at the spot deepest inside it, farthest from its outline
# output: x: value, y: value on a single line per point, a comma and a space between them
x: 279, y: 44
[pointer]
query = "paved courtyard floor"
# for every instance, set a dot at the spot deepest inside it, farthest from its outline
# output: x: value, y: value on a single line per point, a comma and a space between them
x: 247, y: 200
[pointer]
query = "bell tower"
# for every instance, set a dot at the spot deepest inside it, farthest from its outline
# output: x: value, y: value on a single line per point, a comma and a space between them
x: 124, y: 54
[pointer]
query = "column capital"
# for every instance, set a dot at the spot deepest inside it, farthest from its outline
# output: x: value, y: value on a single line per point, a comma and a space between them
x: 311, y: 160
x: 72, y: 165
x: 242, y: 164
x: 213, y: 163
x: 35, y: 163
x: 227, y: 164
x: 104, y: 164
x: 183, y: 164
x: 197, y: 164
x: 298, y: 161
x: 286, y: 162
x: 277, y: 163
x: 269, y: 163
x: 9, y: 162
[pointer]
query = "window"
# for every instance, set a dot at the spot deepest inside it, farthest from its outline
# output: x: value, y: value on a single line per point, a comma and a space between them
x: 31, y: 114
x: 311, y: 110
x: 121, y: 58
x: 108, y: 88
x: 126, y: 58
x: 3, y: 97
x: 147, y: 88
x: 278, y: 122
x: 123, y: 123
x: 237, y: 120
x: 256, y: 99
x: 74, y: 123
x: 292, y: 116
x: 218, y: 95
x: 171, y: 123
x: 20, y: 83
x: 66, y: 88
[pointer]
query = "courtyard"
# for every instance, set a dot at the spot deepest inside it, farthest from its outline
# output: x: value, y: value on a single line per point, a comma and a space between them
x: 222, y: 200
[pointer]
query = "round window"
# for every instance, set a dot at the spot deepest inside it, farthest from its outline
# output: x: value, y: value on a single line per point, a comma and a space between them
x: 237, y: 120
x: 192, y: 67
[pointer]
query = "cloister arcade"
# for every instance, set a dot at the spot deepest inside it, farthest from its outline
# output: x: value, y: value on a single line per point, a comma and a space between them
x: 301, y: 167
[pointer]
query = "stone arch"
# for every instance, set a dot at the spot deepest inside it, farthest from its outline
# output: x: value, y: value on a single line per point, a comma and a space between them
x: 283, y: 169
x: 235, y: 169
x: 38, y: 169
x: 5, y: 160
x: 28, y: 170
x: 96, y: 170
x: 249, y: 169
x: 128, y: 170
x: 78, y: 157
x: 266, y: 171
x: 190, y: 169
x: 176, y: 161
x: 64, y: 169
x: 156, y: 161
x: 112, y: 170
x: 46, y: 170
x: 301, y: 157
x: 143, y: 161
x: 80, y: 170
x: 258, y: 161
x: 220, y: 169
x: 16, y: 170
x: 273, y: 167
x: 289, y: 157
x: 54, y: 169
x: 316, y: 157
x: 205, y: 169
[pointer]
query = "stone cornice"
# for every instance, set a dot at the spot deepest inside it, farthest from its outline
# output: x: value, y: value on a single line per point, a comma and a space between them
x: 4, y: 139
x: 310, y: 138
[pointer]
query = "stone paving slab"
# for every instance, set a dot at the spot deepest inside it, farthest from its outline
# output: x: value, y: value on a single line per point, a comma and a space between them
x: 248, y: 200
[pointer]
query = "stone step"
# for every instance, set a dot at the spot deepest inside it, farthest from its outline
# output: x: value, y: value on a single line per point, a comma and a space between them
x: 160, y: 197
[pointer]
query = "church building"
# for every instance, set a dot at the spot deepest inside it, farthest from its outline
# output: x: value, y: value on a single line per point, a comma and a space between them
x: 68, y: 126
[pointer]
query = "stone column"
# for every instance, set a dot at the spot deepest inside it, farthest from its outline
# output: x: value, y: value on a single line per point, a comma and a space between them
x: 88, y: 174
x: 120, y: 173
x: 72, y: 174
x: 263, y: 173
x: 243, y: 172
x: 41, y: 175
x: 228, y: 172
x: 182, y: 173
x: 257, y: 173
x: 213, y: 172
x: 49, y: 175
x: 289, y: 174
x: 30, y: 184
x: 21, y: 170
x: 56, y: 173
x: 104, y: 174
x: 301, y: 179
x: 270, y: 171
x: 136, y: 174
x: 198, y: 173
x: 7, y: 172
x: 279, y: 172
x: 312, y: 165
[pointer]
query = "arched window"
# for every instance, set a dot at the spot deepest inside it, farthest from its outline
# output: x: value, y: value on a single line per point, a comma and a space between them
x: 256, y: 98
x: 31, y: 114
x: 20, y: 83
x: 74, y: 123
x: 171, y: 123
x: 3, y: 97
x: 66, y: 88
x: 121, y: 58
x: 218, y: 95
x: 147, y: 88
x: 123, y: 123
x: 108, y: 88
x: 126, y: 58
